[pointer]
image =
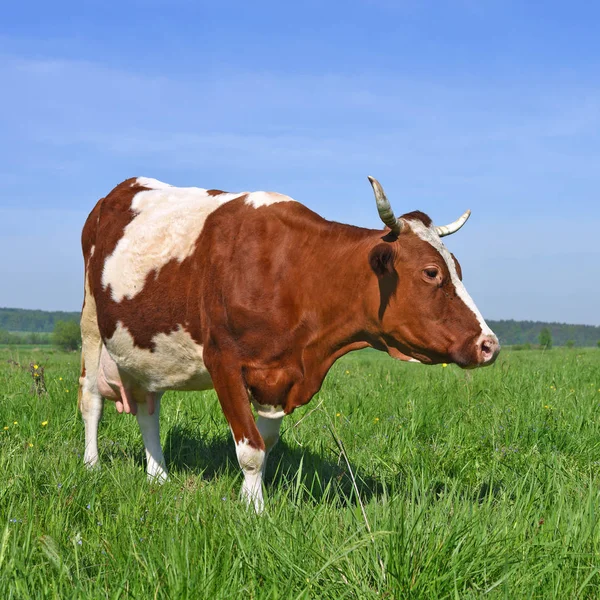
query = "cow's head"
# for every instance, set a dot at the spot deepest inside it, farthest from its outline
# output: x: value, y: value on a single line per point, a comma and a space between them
x: 425, y: 312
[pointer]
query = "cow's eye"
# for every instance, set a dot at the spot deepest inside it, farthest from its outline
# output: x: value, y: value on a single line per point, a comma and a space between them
x: 431, y: 272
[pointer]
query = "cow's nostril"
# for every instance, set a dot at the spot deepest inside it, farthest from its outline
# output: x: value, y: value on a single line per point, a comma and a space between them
x: 488, y: 348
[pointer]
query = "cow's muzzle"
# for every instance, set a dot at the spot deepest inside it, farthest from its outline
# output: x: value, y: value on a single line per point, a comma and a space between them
x: 487, y: 349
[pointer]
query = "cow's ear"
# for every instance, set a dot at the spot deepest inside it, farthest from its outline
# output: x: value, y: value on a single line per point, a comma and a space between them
x: 381, y: 259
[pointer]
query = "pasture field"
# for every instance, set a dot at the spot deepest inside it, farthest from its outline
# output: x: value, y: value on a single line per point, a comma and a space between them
x: 474, y: 484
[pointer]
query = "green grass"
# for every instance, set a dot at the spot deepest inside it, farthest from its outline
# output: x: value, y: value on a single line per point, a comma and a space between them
x: 479, y: 483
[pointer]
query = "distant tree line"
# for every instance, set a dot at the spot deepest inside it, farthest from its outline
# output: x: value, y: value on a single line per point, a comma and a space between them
x: 66, y: 336
x: 24, y: 337
x: 560, y: 334
x: 510, y: 332
x: 39, y: 321
x: 20, y: 326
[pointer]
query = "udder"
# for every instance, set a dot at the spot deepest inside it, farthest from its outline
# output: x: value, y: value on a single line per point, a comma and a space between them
x: 110, y: 385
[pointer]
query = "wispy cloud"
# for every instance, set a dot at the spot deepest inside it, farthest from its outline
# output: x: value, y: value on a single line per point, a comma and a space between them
x: 418, y: 133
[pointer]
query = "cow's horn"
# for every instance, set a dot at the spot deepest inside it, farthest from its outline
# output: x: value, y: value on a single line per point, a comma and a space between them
x: 384, y: 208
x: 454, y: 226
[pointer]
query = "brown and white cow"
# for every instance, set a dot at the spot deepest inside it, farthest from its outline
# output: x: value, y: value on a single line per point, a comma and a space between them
x: 257, y: 296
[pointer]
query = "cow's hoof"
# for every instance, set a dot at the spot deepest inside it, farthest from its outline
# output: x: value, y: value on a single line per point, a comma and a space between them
x: 92, y: 463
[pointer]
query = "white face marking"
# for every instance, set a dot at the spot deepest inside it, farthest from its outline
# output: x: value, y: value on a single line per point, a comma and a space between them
x: 429, y: 235
x: 251, y: 462
x: 258, y: 199
x: 175, y: 364
x: 167, y: 225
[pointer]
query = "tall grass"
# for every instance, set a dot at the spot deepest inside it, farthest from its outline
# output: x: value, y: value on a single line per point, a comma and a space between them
x: 479, y: 483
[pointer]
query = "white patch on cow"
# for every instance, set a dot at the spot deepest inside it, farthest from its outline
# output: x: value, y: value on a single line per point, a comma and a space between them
x: 176, y: 362
x: 267, y: 411
x: 151, y: 183
x: 429, y: 235
x: 269, y: 431
x: 92, y: 249
x: 149, y: 426
x: 168, y: 221
x: 251, y: 462
x: 258, y: 199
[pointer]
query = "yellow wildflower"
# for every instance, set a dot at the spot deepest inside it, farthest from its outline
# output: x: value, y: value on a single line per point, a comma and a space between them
x: 347, y: 372
x: 60, y: 378
x: 15, y: 422
x: 376, y: 419
x: 444, y: 365
x: 35, y: 367
x: 338, y: 414
x: 44, y: 423
x: 30, y: 445
x: 6, y: 428
x: 67, y: 391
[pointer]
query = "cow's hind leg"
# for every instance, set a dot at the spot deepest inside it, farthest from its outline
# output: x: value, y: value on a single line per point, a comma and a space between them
x: 90, y: 401
x: 148, y: 420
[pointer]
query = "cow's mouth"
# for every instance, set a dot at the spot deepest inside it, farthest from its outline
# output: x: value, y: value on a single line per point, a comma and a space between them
x: 413, y: 357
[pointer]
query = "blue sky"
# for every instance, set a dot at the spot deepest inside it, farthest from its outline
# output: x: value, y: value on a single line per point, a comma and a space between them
x: 488, y: 105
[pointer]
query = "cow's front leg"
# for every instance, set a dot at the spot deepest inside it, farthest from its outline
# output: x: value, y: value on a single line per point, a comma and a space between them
x: 249, y: 445
x: 251, y: 460
x: 148, y: 419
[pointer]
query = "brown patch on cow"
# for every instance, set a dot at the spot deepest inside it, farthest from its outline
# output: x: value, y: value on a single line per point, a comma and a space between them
x: 88, y: 234
x: 417, y: 215
x: 167, y: 300
x: 215, y: 192
x: 113, y: 215
x: 161, y: 306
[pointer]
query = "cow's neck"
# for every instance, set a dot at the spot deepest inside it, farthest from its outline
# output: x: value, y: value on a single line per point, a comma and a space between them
x: 346, y: 289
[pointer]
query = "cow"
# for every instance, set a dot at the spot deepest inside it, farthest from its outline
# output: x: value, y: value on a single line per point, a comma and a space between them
x: 255, y: 295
